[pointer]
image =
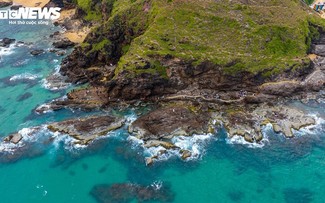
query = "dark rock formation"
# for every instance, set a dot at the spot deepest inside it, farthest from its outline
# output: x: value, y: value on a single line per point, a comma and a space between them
x: 293, y: 195
x: 5, y: 4
x: 15, y: 7
x: 64, y: 4
x: 24, y: 96
x: 165, y: 122
x: 37, y: 52
x: 5, y: 42
x: 63, y: 44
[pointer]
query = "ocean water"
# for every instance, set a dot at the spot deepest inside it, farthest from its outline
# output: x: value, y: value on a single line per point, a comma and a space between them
x: 47, y: 169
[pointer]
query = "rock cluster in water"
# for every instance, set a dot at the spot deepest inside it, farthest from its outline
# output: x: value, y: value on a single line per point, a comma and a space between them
x: 126, y: 192
x: 83, y: 130
x: 248, y: 122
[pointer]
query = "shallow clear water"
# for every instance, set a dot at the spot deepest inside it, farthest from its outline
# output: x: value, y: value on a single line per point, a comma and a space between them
x: 282, y: 171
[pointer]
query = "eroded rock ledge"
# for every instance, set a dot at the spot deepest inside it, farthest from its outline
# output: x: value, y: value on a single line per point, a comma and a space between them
x: 87, y: 129
x: 84, y: 130
x: 164, y: 123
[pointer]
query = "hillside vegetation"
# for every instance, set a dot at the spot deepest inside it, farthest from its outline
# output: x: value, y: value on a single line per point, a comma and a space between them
x: 268, y: 36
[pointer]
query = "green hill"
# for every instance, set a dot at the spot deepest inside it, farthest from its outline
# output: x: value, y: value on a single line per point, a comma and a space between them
x: 267, y: 36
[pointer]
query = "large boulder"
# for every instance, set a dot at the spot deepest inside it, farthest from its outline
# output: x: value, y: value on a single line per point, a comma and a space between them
x: 14, y: 138
x: 315, y: 81
x: 319, y: 49
x: 281, y: 88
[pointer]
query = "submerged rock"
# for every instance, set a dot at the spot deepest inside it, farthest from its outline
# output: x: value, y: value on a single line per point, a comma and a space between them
x: 87, y: 129
x: 293, y: 195
x: 126, y: 192
x: 37, y: 52
x: 24, y: 97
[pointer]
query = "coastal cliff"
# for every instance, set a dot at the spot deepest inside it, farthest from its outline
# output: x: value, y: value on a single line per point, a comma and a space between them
x: 215, y: 55
x: 142, y: 49
x: 204, y: 64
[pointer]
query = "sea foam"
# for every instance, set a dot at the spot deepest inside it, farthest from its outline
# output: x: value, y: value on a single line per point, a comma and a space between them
x: 24, y: 76
x: 315, y: 129
x: 195, y: 144
x: 4, y: 51
x: 237, y: 139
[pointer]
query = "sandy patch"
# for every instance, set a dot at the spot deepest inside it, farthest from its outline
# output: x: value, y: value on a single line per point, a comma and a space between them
x: 312, y: 56
x: 76, y: 37
x: 66, y: 14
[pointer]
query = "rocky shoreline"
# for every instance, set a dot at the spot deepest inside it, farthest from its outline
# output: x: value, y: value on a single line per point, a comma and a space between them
x: 191, y: 99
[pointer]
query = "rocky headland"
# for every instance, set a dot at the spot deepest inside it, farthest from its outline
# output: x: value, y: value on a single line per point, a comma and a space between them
x: 205, y: 65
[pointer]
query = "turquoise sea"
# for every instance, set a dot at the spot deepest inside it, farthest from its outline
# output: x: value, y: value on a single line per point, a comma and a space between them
x: 112, y: 169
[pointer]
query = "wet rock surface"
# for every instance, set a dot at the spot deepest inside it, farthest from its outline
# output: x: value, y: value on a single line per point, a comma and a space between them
x: 248, y: 122
x: 86, y: 99
x: 55, y: 81
x: 127, y: 192
x: 14, y: 138
x: 169, y: 122
x: 37, y: 52
x: 87, y: 129
x: 6, y: 42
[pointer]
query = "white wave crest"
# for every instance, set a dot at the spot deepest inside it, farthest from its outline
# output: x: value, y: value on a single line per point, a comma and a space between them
x: 157, y: 185
x: 240, y: 140
x: 237, y: 139
x: 4, y: 51
x: 315, y: 129
x: 69, y: 143
x: 195, y: 145
x: 54, y: 86
x: 28, y: 135
x: 24, y: 76
x: 43, y: 109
